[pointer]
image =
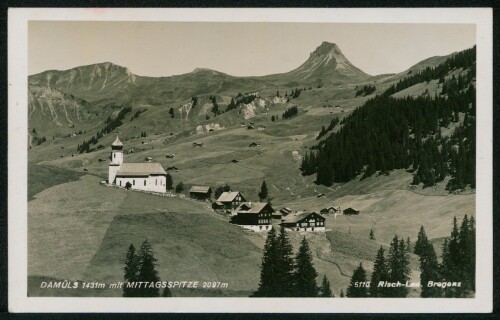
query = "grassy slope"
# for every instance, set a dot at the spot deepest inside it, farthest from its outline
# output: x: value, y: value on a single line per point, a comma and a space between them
x: 43, y: 177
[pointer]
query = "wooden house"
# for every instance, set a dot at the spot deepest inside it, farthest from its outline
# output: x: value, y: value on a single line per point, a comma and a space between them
x: 351, y: 212
x: 285, y: 211
x: 230, y: 200
x: 330, y: 210
x: 256, y: 216
x: 200, y: 192
x: 304, y: 221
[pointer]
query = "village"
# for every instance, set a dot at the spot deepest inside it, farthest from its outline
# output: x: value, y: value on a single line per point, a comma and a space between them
x: 255, y: 216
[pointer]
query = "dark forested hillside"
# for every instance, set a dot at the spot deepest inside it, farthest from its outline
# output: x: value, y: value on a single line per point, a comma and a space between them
x: 415, y: 133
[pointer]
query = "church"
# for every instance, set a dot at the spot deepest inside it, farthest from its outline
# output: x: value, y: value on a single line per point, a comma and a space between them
x: 141, y: 176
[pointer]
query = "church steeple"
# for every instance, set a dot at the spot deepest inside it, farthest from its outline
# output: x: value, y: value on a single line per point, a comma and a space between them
x: 117, y: 144
x: 116, y: 159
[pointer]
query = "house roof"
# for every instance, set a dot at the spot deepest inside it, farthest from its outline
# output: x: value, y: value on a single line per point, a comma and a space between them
x: 228, y: 196
x: 296, y: 217
x: 351, y: 210
x: 330, y: 208
x: 140, y: 169
x: 117, y: 143
x: 251, y: 207
x: 200, y: 189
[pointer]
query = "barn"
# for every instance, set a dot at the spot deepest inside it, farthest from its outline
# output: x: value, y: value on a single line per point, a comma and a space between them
x: 304, y: 221
x: 200, y: 192
x: 329, y: 210
x: 351, y: 212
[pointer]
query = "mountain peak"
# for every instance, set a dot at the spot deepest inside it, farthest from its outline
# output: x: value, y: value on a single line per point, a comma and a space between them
x: 327, y: 48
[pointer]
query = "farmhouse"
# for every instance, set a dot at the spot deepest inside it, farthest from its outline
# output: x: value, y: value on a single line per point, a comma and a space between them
x: 304, y: 221
x: 255, y: 216
x: 200, y: 192
x: 329, y: 210
x: 230, y: 200
x: 140, y: 176
x: 351, y: 212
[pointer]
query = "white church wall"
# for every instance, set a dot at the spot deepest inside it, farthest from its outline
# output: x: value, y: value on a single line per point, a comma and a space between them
x: 151, y: 183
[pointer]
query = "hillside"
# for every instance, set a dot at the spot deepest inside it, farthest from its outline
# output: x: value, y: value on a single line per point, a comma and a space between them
x: 249, y: 134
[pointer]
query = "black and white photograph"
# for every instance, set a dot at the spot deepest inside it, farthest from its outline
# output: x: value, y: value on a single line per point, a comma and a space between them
x: 216, y: 155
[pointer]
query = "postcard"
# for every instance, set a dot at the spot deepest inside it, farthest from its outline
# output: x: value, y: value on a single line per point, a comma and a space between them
x: 250, y: 160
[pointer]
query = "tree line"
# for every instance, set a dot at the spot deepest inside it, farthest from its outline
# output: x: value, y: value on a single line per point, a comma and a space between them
x: 283, y: 275
x: 110, y: 124
x: 402, y: 133
x: 453, y: 277
x: 365, y: 90
x: 141, y: 267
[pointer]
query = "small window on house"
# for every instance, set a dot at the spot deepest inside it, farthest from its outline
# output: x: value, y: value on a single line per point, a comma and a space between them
x: 144, y: 181
x: 260, y: 227
x: 156, y: 182
x: 312, y: 228
x: 297, y: 229
x: 114, y: 155
x: 133, y: 182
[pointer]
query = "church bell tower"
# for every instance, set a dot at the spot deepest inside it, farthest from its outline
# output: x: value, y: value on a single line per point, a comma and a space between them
x: 116, y: 159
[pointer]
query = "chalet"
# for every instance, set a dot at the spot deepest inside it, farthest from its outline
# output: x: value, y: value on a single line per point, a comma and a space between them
x: 254, y: 144
x: 230, y: 200
x: 330, y: 210
x: 250, y: 127
x: 256, y: 216
x: 200, y: 192
x: 304, y: 221
x: 141, y: 176
x: 351, y: 212
x: 197, y: 144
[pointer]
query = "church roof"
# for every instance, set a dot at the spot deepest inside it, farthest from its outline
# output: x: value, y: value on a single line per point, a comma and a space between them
x: 140, y: 169
x: 117, y: 143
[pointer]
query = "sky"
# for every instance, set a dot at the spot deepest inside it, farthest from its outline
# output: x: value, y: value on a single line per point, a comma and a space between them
x: 240, y: 49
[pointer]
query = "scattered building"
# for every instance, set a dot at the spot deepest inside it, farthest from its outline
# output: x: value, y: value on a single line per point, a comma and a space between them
x: 254, y: 144
x: 197, y: 144
x: 256, y: 216
x: 141, y: 176
x: 330, y: 210
x: 200, y: 192
x: 261, y: 127
x: 285, y: 211
x: 351, y: 212
x: 230, y: 200
x: 304, y: 221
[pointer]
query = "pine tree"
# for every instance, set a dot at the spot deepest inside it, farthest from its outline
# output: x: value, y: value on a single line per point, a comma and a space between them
x: 421, y: 244
x: 179, y: 188
x: 408, y: 244
x: 131, y: 271
x: 267, y: 285
x: 263, y: 191
x: 399, y: 269
x: 147, y: 271
x: 171, y: 112
x: 324, y: 290
x: 372, y: 234
x: 380, y: 274
x: 170, y: 182
x: 285, y: 266
x: 304, y: 275
x: 355, y: 290
x: 429, y: 271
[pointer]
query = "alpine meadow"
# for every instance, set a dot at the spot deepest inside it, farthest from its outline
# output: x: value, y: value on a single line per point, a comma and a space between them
x: 323, y: 181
